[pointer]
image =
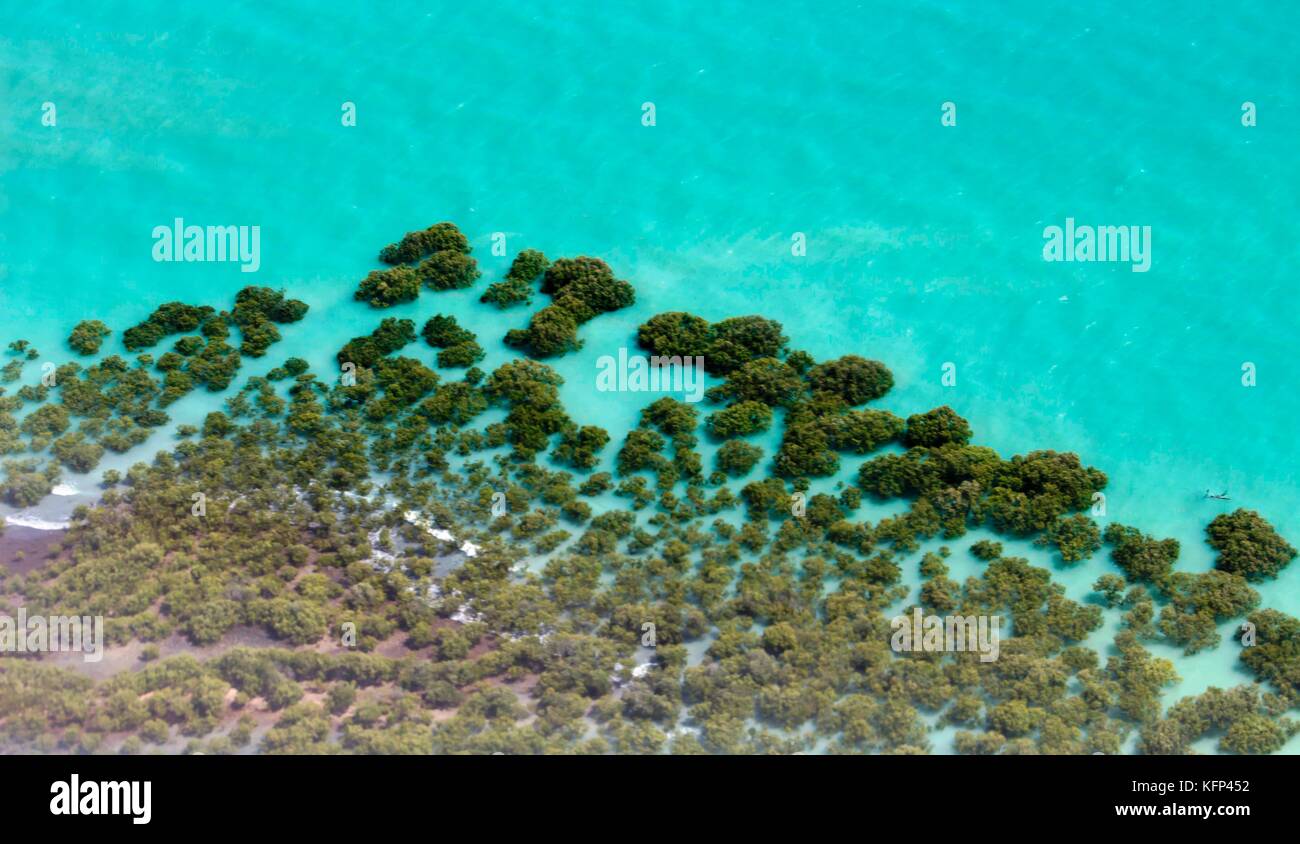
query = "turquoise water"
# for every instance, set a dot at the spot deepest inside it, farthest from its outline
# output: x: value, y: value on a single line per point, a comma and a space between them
x: 924, y: 242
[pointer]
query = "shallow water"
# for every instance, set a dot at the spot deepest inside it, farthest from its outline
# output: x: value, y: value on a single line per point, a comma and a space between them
x: 924, y: 242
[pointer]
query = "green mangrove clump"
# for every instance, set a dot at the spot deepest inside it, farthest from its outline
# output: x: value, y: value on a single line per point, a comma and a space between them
x: 87, y: 336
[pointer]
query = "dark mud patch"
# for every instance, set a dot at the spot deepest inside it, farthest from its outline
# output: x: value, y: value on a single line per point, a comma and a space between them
x: 25, y: 549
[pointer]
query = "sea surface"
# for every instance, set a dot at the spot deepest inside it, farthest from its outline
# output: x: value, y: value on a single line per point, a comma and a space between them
x: 924, y: 241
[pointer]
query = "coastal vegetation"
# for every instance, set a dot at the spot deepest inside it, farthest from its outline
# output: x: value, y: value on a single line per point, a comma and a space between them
x: 580, y: 289
x: 411, y: 560
x: 440, y: 237
x: 459, y: 347
x: 724, y: 346
x: 517, y: 287
x: 1248, y: 545
x: 87, y: 336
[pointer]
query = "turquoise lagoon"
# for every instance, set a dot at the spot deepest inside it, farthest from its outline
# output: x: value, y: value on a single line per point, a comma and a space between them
x: 923, y: 241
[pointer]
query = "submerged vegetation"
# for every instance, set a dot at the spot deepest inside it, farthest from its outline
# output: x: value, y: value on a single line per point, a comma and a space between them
x: 393, y: 559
